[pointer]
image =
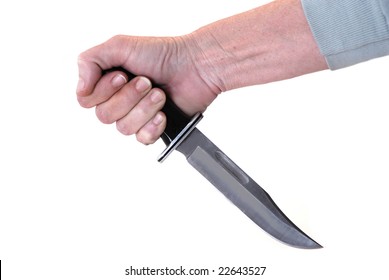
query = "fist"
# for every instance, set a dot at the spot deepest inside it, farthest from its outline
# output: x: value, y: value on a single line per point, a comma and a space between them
x: 133, y: 104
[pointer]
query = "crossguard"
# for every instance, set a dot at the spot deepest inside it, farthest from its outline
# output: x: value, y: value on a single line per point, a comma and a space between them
x: 178, y: 127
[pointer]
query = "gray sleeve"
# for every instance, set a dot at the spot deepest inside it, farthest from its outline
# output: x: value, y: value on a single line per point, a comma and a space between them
x: 349, y: 31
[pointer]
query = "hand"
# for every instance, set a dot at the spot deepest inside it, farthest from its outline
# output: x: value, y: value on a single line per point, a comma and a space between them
x: 267, y: 44
x: 135, y: 105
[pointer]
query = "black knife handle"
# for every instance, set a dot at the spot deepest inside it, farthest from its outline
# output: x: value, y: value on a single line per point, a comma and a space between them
x: 176, y: 121
x: 178, y: 127
x: 178, y: 124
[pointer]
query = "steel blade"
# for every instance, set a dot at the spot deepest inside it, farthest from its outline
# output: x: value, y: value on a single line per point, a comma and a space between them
x: 241, y: 190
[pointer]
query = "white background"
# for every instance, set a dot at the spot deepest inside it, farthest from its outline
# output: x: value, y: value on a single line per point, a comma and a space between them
x: 78, y: 200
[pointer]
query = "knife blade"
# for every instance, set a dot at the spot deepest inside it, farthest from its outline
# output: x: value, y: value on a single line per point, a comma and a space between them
x: 182, y: 135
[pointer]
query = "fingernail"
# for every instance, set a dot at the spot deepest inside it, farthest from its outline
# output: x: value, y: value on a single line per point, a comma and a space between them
x: 142, y: 84
x: 156, y: 96
x: 158, y: 119
x: 118, y: 80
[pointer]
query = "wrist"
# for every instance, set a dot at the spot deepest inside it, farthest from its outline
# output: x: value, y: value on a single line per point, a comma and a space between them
x: 210, y: 56
x: 203, y: 54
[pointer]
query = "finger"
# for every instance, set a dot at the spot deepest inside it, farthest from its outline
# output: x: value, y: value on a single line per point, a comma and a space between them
x: 122, y: 102
x: 92, y: 62
x: 106, y: 86
x: 142, y: 113
x: 151, y: 131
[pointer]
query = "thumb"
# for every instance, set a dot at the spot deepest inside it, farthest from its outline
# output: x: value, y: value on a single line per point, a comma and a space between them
x: 88, y: 75
x: 92, y: 62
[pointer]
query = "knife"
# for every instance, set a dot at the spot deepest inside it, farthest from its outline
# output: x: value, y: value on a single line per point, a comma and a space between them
x: 182, y: 135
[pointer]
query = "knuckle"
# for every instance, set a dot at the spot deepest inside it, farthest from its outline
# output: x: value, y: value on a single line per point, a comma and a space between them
x: 81, y: 57
x: 140, y: 111
x: 103, y: 115
x: 116, y: 37
x: 146, y: 137
x: 83, y: 102
x: 124, y: 128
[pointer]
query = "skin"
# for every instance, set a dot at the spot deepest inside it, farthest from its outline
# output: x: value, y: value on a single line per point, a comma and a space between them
x: 270, y: 43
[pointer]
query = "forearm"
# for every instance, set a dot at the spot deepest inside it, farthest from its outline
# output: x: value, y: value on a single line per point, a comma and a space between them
x: 269, y: 43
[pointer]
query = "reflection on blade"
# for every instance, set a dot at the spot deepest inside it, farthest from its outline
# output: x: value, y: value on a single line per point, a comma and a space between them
x: 241, y: 190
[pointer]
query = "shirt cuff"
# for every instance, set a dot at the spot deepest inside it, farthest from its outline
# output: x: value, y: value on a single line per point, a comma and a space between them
x: 348, y: 31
